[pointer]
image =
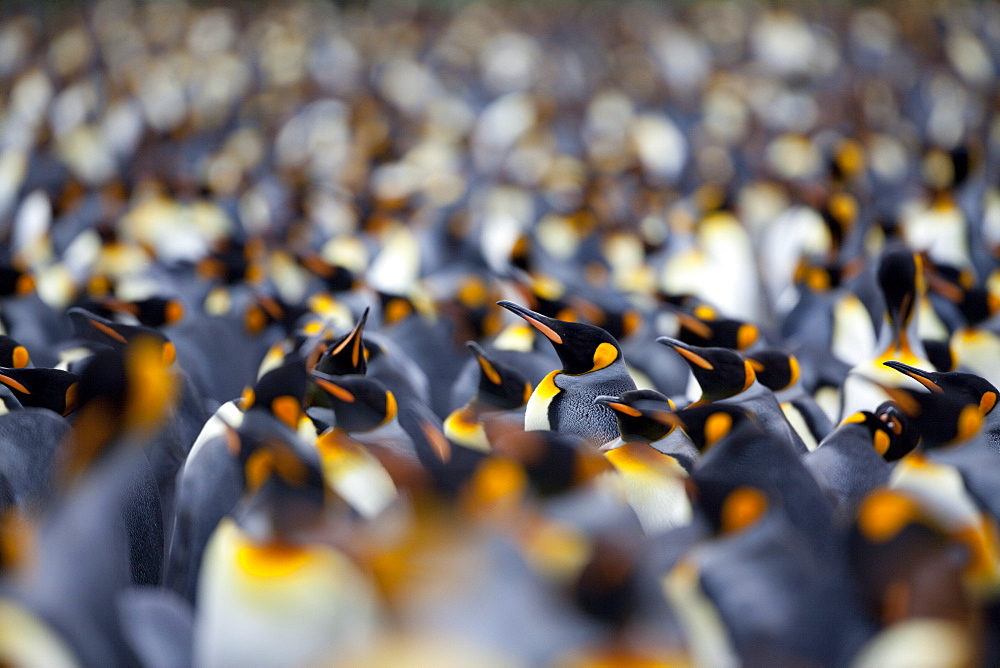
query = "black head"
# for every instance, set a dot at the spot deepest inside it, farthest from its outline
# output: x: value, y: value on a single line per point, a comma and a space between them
x: 581, y: 347
x: 285, y: 493
x: 281, y: 391
x: 905, y: 436
x: 939, y: 354
x: 359, y: 403
x: 634, y: 411
x: 940, y: 419
x: 92, y: 327
x: 775, y: 369
x: 347, y: 354
x: 501, y: 387
x: 53, y: 389
x: 12, y: 354
x: 722, y: 373
x: 15, y: 283
x: 553, y: 462
x: 709, y: 423
x: 705, y: 328
x: 965, y: 387
x: 886, y: 432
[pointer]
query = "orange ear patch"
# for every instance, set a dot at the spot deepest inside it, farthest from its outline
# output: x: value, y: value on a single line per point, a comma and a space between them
x: 742, y: 508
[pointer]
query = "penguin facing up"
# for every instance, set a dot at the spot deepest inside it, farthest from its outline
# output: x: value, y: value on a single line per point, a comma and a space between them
x: 902, y: 284
x: 592, y: 365
x: 725, y: 376
x: 347, y: 354
x: 502, y: 390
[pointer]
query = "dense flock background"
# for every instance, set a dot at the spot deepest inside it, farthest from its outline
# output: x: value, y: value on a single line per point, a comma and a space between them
x: 246, y: 246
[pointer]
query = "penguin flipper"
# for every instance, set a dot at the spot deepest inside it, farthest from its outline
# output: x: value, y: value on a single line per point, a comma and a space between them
x: 157, y: 624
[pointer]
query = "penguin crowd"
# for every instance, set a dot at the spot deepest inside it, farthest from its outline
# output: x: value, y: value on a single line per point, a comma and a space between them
x: 499, y: 334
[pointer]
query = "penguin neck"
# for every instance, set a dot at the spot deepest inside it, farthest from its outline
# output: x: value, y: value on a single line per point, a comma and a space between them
x: 464, y: 427
x: 901, y: 342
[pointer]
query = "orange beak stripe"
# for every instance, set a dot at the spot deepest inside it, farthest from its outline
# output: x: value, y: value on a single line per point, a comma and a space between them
x: 107, y: 330
x: 695, y: 358
x: 335, y: 390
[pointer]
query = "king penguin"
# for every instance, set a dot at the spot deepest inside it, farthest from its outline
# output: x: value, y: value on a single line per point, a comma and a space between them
x: 902, y: 284
x: 726, y: 377
x: 592, y: 365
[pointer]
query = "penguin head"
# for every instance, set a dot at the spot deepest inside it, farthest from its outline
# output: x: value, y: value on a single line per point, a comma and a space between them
x: 233, y: 261
x: 708, y: 424
x: 501, y: 387
x: 633, y: 411
x: 359, y: 403
x: 53, y: 389
x: 12, y: 354
x: 92, y: 327
x: 775, y: 369
x: 904, y: 438
x: 122, y: 394
x: 704, y: 327
x: 581, y: 348
x: 346, y: 356
x: 720, y: 372
x: 940, y: 419
x: 284, y: 489
x: 967, y: 387
x: 728, y: 506
x: 15, y: 283
x: 553, y: 462
x: 886, y: 433
x: 336, y: 278
x: 280, y: 392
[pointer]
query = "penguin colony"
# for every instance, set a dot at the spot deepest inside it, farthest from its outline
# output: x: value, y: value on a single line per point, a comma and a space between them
x: 499, y: 335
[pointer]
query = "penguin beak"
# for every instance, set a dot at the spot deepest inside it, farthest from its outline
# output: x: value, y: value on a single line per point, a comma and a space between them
x: 916, y: 374
x: 542, y: 323
x: 354, y: 340
x: 615, y: 404
x: 686, y: 351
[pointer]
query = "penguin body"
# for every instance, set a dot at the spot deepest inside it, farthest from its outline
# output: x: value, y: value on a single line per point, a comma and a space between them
x: 251, y: 594
x: 592, y: 365
x: 29, y: 440
x: 847, y: 463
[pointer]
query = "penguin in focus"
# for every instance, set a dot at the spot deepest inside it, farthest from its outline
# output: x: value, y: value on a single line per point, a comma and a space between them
x: 592, y: 365
x: 727, y: 377
x: 636, y: 412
